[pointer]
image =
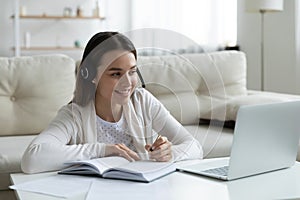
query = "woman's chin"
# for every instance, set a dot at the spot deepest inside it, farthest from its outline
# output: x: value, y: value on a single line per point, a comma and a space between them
x: 121, y: 99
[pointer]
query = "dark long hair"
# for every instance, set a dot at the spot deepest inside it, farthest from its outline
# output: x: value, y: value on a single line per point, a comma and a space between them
x: 96, y: 47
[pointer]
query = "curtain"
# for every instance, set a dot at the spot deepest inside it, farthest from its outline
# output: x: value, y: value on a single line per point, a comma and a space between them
x: 206, y: 22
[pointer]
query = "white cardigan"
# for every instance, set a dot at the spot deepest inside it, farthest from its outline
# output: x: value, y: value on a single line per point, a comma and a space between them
x: 72, y: 135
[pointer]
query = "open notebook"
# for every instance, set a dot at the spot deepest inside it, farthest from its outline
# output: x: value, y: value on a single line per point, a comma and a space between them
x: 120, y: 168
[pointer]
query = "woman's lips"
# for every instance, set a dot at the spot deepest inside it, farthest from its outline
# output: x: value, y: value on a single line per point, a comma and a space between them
x: 123, y: 92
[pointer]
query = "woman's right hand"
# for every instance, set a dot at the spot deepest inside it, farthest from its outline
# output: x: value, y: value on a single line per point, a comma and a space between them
x: 121, y: 150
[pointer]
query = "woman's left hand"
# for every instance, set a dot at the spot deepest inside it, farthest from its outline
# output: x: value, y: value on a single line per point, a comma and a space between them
x: 160, y: 150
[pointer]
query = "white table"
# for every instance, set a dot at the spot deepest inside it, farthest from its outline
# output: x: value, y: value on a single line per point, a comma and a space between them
x: 281, y: 184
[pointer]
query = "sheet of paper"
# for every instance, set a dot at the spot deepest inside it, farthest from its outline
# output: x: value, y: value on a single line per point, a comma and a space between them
x: 118, y: 189
x: 63, y: 186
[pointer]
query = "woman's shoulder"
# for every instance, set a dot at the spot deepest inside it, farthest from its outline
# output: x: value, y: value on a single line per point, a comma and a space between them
x: 143, y: 96
x: 143, y: 100
x: 73, y: 108
x: 141, y: 93
x: 69, y: 107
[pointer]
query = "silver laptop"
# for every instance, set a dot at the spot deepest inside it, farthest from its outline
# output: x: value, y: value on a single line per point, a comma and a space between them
x: 265, y: 139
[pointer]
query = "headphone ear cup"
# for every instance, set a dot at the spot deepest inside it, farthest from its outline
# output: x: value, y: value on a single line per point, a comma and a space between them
x: 84, y: 72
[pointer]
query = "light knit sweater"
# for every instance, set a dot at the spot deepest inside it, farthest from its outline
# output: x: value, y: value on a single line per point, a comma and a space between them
x: 72, y: 135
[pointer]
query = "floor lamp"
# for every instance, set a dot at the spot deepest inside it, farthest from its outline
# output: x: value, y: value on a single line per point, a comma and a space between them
x: 263, y: 6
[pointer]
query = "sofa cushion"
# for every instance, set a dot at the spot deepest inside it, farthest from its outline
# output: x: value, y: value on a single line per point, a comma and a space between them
x: 165, y: 74
x: 32, y: 89
x: 11, y: 152
x: 173, y: 80
x: 183, y: 106
x: 190, y: 85
x: 223, y: 73
x: 216, y: 141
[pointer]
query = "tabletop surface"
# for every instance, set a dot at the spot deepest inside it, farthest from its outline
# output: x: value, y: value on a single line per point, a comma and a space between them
x: 281, y: 184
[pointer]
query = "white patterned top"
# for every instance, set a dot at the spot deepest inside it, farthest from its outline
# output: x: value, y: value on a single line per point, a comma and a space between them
x: 113, y: 133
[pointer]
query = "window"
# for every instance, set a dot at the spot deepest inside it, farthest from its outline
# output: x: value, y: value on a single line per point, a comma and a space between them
x: 207, y: 22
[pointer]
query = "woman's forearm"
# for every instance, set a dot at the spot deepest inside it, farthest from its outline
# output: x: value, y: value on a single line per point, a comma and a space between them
x: 43, y: 157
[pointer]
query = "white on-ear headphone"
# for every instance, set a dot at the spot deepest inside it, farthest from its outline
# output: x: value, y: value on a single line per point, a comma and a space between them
x: 84, y: 73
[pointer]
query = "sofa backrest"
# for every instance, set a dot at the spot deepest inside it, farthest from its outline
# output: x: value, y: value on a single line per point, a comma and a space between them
x: 188, y: 85
x: 32, y: 89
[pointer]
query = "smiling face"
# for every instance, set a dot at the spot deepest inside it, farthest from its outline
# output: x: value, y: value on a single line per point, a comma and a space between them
x: 118, y: 80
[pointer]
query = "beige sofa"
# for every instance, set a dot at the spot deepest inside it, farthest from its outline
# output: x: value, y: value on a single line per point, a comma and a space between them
x: 32, y: 89
x: 202, y: 91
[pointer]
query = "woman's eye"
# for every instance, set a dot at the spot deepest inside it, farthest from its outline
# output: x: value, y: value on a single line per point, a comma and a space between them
x: 132, y: 72
x: 116, y: 74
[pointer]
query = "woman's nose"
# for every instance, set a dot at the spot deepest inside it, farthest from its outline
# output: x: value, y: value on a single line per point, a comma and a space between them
x: 125, y: 80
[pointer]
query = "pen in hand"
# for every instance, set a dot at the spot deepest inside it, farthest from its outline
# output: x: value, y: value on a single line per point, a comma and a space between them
x: 152, y: 148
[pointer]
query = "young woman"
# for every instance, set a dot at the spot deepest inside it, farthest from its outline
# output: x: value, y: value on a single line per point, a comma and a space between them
x: 109, y: 115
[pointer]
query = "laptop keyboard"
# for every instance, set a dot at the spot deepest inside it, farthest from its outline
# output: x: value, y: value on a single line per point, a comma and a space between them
x: 221, y: 171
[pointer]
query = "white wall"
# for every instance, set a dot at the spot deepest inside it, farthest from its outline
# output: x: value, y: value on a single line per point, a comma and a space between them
x: 6, y: 28
x: 297, y: 35
x: 280, y: 43
x: 60, y: 32
x: 282, y: 35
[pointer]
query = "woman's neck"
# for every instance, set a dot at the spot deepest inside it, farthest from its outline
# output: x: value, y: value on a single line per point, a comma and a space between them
x: 107, y: 111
